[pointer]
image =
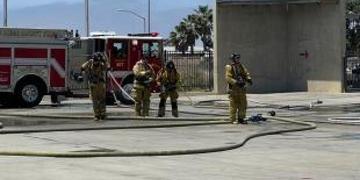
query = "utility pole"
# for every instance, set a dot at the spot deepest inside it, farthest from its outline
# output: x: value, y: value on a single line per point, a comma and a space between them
x: 5, y: 13
x: 149, y: 16
x: 87, y: 19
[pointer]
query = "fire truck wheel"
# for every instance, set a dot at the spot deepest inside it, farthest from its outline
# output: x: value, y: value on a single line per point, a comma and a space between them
x: 29, y: 94
x: 128, y: 87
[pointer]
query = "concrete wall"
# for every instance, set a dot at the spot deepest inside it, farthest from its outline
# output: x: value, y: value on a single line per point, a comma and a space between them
x: 320, y: 30
x: 270, y: 39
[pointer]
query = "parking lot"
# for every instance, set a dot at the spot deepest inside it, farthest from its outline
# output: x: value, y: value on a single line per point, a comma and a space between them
x: 328, y: 152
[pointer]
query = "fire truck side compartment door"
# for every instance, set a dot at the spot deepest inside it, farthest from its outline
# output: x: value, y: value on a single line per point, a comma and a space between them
x: 30, y: 61
x: 5, y: 68
x: 78, y: 55
x: 99, y: 45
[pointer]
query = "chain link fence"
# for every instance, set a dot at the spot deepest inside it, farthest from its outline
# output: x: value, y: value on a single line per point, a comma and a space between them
x: 196, y: 69
x: 352, y: 73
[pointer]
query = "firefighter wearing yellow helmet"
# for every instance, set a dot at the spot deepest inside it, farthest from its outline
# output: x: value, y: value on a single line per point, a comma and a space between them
x: 237, y: 77
x: 96, y: 69
x: 144, y: 75
x: 168, y: 79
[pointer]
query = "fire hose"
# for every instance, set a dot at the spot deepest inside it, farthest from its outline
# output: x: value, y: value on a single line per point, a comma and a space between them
x: 119, y: 86
x: 133, y: 100
x: 117, y: 153
x: 349, y: 120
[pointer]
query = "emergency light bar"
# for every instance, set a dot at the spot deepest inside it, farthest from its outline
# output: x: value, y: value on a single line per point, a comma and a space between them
x: 102, y: 33
x: 153, y: 34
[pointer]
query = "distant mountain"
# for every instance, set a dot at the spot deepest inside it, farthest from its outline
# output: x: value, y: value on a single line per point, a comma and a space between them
x: 165, y: 15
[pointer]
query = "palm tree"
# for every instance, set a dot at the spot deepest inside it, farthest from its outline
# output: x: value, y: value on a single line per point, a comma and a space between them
x: 198, y: 24
x: 204, y: 25
x: 353, y: 26
x: 190, y: 29
x: 184, y: 35
x: 177, y: 39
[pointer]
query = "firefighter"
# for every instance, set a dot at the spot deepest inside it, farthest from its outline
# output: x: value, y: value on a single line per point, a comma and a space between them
x: 237, y: 76
x: 96, y: 69
x: 144, y: 75
x: 167, y: 79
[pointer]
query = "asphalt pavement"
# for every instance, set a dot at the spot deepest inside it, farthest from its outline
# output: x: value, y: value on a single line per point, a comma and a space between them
x: 329, y: 152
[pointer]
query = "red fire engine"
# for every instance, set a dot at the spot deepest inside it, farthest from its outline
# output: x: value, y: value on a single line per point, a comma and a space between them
x: 38, y: 62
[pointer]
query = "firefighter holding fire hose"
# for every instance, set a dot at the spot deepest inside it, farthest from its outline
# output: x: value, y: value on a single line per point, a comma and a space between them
x: 144, y: 75
x: 96, y: 69
x: 237, y: 77
x: 168, y: 79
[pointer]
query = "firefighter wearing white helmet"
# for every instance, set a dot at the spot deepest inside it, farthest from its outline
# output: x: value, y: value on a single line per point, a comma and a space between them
x: 237, y: 77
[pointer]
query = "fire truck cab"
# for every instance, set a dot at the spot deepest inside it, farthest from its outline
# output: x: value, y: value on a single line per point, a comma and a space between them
x: 123, y: 52
x: 38, y: 62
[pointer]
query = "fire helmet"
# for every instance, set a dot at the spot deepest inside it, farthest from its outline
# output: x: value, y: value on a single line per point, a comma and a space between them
x: 235, y: 56
x: 170, y: 65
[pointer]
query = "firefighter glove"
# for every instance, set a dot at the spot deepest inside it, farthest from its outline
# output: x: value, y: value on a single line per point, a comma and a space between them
x: 250, y: 82
x: 170, y: 87
x: 147, y: 82
x: 240, y: 82
x: 144, y: 73
x: 162, y: 89
x: 80, y: 78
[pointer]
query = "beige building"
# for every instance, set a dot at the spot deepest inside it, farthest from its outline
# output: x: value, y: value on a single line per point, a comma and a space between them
x: 287, y: 45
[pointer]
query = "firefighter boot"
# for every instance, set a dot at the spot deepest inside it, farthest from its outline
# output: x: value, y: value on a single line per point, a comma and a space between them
x: 174, y: 109
x: 146, y: 107
x: 233, y: 110
x: 162, y: 107
x: 102, y: 108
x: 242, y: 121
x: 242, y: 108
x: 146, y: 102
x: 138, y: 108
x: 97, y: 118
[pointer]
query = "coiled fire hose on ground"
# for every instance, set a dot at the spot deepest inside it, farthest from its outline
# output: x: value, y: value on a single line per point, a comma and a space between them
x: 115, y: 153
x: 308, y: 126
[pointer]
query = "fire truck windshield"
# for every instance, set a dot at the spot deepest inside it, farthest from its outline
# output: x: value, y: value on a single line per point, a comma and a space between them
x: 151, y: 49
x: 120, y: 50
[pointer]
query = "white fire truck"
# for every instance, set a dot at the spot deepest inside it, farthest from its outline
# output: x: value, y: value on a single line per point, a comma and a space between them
x: 38, y: 62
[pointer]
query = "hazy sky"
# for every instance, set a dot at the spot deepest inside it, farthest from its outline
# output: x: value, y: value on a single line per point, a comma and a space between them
x: 69, y: 14
x: 16, y: 4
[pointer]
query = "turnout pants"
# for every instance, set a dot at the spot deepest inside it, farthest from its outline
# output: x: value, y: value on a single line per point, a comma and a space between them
x: 238, y: 105
x: 174, y: 106
x: 142, y: 101
x: 98, y: 97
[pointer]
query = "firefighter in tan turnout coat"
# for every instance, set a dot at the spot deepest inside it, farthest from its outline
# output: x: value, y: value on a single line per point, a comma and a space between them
x: 237, y: 76
x: 96, y: 69
x: 168, y: 79
x: 144, y: 75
